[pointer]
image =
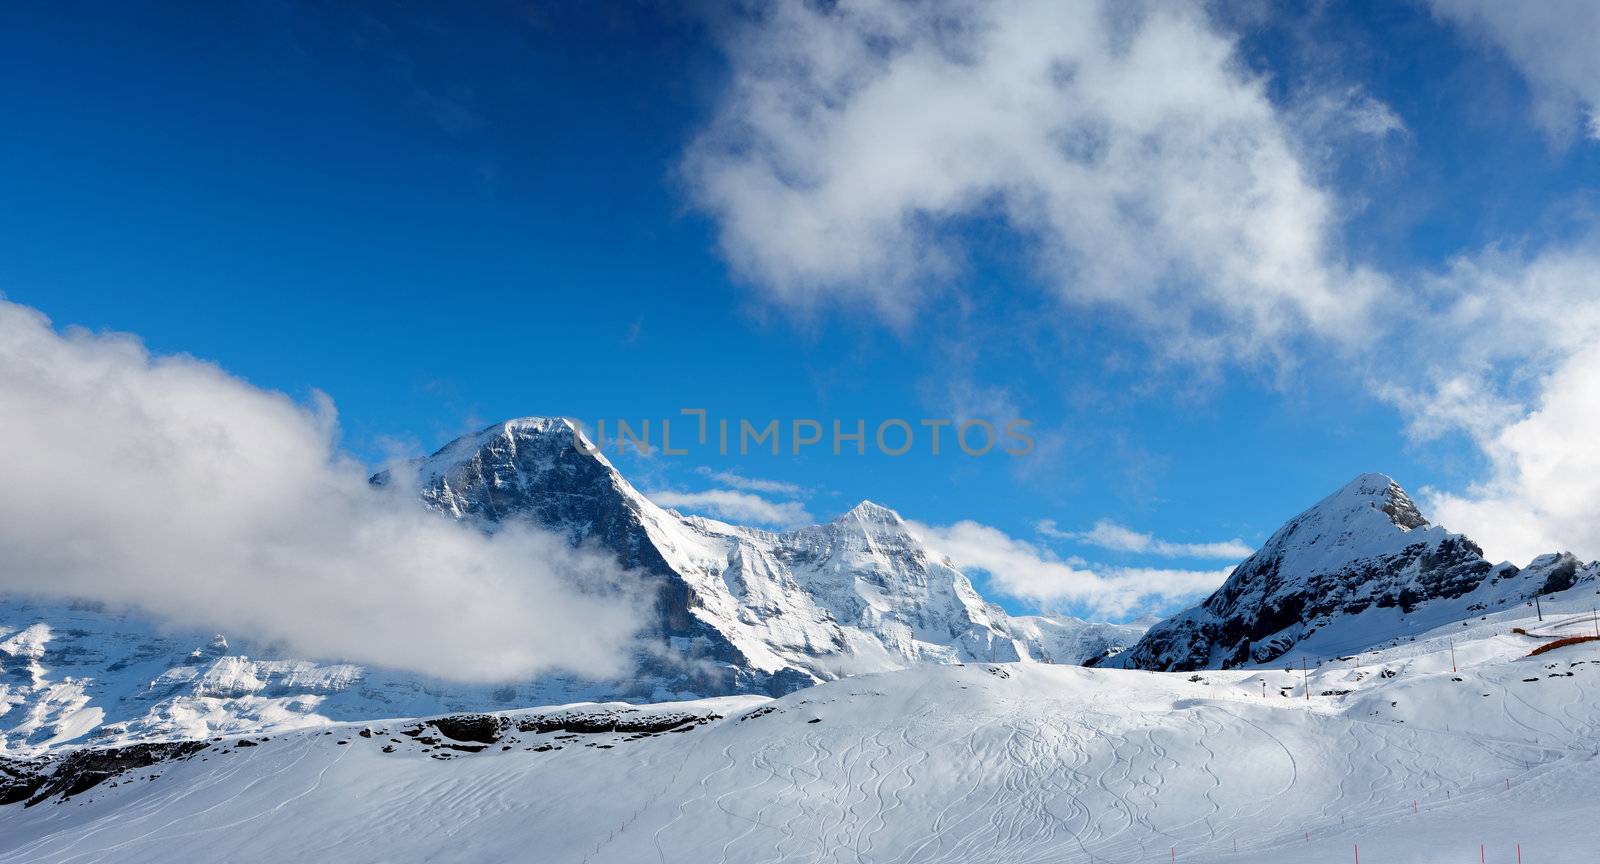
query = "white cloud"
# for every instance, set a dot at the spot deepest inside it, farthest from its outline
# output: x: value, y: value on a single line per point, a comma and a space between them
x: 751, y: 484
x: 1025, y: 571
x: 1543, y: 493
x: 1124, y: 142
x: 165, y: 484
x: 1519, y: 373
x: 1340, y: 114
x: 1552, y: 43
x: 735, y: 506
x: 1119, y: 538
x: 1371, y: 116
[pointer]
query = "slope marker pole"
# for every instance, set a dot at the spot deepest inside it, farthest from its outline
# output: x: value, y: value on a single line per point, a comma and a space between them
x: 1358, y: 853
x: 1452, y: 655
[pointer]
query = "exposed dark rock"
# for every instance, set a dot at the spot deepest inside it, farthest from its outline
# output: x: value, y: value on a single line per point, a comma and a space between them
x: 627, y: 722
x: 479, y: 728
x: 1366, y: 546
x: 78, y: 771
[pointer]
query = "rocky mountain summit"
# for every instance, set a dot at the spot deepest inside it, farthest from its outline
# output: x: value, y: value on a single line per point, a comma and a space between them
x: 1360, y: 569
x: 741, y: 609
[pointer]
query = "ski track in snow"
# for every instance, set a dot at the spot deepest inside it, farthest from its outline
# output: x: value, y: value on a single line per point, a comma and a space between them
x: 1023, y: 764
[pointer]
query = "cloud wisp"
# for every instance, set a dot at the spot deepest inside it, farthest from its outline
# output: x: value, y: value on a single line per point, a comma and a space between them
x: 164, y: 484
x: 1107, y: 534
x: 1028, y: 572
x: 1552, y: 43
x: 736, y: 506
x: 735, y: 480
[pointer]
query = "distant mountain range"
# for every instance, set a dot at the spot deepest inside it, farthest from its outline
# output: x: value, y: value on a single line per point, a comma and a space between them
x: 744, y: 611
x: 751, y: 610
x: 737, y: 610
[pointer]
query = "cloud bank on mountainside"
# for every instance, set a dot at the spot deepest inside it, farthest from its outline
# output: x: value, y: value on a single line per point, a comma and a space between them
x: 164, y: 484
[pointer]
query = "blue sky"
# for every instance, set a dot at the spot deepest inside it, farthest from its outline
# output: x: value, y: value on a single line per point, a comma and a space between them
x: 442, y: 219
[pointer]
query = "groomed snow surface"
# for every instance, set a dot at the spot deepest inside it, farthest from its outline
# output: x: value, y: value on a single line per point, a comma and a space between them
x: 1011, y: 763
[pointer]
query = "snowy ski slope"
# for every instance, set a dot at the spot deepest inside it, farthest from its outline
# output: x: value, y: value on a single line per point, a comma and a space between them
x: 989, y: 762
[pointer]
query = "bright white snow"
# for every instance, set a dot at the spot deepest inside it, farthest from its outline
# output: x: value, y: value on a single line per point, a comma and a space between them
x: 983, y: 762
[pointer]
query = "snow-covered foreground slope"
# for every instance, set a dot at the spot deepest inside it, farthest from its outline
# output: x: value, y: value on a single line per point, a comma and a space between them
x: 981, y: 762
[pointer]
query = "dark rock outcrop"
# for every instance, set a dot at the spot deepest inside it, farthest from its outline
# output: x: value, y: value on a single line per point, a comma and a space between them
x: 1342, y: 569
x: 34, y: 781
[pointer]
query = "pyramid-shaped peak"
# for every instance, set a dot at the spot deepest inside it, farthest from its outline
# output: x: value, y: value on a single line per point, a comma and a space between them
x: 536, y: 425
x: 528, y: 427
x: 548, y: 433
x: 868, y: 511
x: 1381, y: 492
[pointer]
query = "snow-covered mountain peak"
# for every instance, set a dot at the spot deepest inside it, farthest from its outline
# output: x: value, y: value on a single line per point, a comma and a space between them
x: 1361, y: 567
x: 541, y: 468
x: 507, y: 430
x: 873, y: 520
x: 1381, y: 493
x: 505, y: 440
x: 1369, y: 517
x: 870, y: 511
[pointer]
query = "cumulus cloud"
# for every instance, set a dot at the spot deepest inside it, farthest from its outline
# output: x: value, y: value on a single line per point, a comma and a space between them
x: 735, y: 506
x: 164, y: 484
x: 1025, y: 571
x: 1543, y: 492
x: 1120, y: 538
x: 1124, y: 143
x: 1552, y: 43
x: 1520, y: 379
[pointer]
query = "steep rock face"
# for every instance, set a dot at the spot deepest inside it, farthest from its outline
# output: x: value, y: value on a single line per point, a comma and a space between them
x: 543, y: 471
x: 1360, y: 568
x: 763, y: 611
x: 756, y: 611
x: 739, y: 610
